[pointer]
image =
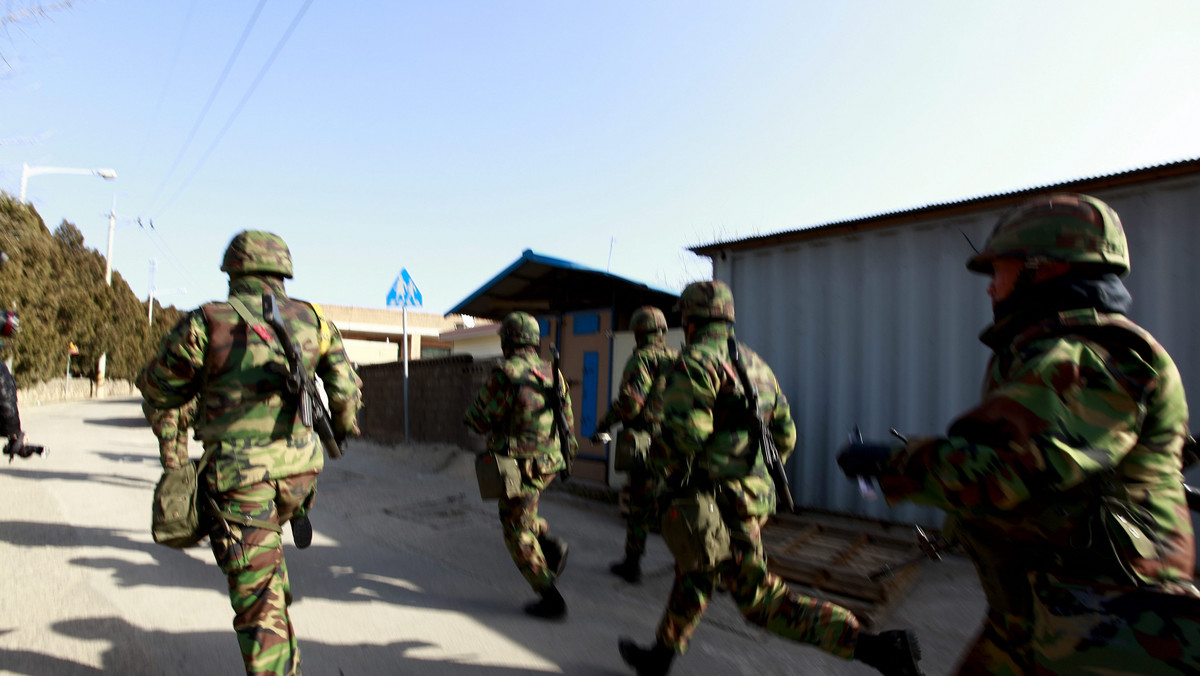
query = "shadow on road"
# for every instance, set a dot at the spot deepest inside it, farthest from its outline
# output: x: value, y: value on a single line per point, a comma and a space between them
x: 111, y: 479
x: 118, y: 422
x: 129, y: 645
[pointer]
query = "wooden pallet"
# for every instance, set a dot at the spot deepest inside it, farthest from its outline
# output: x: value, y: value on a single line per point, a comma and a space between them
x: 831, y: 558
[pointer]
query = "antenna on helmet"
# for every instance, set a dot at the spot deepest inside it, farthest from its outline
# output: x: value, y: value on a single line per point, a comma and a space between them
x: 964, y: 234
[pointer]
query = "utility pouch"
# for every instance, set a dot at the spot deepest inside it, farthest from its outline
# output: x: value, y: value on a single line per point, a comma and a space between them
x: 633, y: 447
x: 177, y: 519
x: 694, y: 531
x: 499, y: 476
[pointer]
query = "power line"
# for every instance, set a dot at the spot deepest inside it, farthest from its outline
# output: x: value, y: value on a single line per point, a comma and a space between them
x: 160, y: 243
x: 162, y: 95
x: 246, y: 97
x: 211, y: 98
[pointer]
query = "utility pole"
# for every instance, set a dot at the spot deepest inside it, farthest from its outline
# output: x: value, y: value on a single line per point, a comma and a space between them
x: 112, y: 227
x: 150, y: 302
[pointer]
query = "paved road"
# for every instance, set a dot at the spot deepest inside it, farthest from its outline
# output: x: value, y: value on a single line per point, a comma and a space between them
x: 407, y: 574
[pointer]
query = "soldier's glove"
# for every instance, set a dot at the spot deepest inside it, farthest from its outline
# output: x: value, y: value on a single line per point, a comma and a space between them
x: 1191, y: 451
x: 601, y: 438
x: 866, y: 460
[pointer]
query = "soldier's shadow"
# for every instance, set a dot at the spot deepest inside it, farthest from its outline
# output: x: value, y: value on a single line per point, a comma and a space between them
x: 133, y: 650
x: 171, y: 568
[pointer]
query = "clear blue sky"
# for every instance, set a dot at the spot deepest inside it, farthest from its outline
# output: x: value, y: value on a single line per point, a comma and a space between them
x: 448, y: 136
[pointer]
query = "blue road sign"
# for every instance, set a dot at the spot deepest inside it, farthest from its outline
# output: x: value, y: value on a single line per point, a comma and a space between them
x: 404, y: 291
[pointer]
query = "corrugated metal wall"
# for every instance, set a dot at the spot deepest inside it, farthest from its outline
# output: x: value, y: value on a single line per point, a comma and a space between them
x: 880, y: 329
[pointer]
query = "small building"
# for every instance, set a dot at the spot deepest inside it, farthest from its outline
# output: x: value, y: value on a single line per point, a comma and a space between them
x: 376, y: 336
x: 873, y: 323
x: 479, y: 339
x: 583, y: 312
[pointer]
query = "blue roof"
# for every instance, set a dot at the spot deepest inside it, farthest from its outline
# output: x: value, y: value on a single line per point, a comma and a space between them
x: 540, y: 284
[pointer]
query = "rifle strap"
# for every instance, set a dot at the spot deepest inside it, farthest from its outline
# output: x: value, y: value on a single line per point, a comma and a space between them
x: 253, y: 323
x: 212, y: 503
x: 326, y: 336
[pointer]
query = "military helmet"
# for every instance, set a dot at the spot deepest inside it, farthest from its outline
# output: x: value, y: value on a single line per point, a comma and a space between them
x: 706, y: 300
x: 258, y: 252
x: 1067, y: 227
x: 520, y: 328
x: 647, y: 319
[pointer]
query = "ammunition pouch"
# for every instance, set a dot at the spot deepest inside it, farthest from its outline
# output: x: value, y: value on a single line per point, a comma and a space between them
x: 499, y: 476
x: 694, y: 531
x: 632, y: 450
x: 180, y: 515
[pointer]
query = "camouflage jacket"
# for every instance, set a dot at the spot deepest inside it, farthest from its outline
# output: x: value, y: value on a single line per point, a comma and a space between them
x: 238, y: 373
x: 707, y: 423
x: 171, y: 426
x: 514, y: 409
x: 1070, y: 465
x: 638, y: 405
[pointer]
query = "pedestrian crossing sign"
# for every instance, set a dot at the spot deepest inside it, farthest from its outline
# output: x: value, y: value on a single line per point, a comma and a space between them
x: 404, y: 291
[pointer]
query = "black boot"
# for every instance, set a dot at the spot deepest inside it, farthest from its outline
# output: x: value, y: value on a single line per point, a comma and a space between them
x: 555, y: 551
x: 630, y: 569
x: 552, y: 606
x: 894, y: 653
x: 302, y: 531
x: 652, y: 661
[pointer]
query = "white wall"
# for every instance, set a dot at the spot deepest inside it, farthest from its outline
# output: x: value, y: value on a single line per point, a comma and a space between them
x: 371, y: 351
x: 483, y: 347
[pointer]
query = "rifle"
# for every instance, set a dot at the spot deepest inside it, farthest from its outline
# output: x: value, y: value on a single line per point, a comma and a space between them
x: 561, y: 424
x: 761, y: 433
x: 17, y: 447
x: 930, y: 549
x: 1193, y: 497
x: 300, y: 384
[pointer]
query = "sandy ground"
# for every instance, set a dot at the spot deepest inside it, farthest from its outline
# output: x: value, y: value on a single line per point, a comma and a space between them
x: 407, y: 574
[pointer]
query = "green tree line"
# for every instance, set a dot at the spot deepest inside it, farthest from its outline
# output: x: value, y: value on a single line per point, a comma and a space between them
x: 56, y: 285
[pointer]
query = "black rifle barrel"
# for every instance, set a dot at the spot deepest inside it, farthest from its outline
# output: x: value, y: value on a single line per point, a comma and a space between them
x: 561, y: 425
x: 762, y: 433
x: 313, y: 413
x: 1193, y: 497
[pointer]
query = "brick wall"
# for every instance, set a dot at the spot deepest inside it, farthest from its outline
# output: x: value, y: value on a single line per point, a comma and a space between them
x: 439, y: 392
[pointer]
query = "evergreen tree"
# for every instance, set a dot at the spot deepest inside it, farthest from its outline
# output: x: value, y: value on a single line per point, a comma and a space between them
x: 56, y: 285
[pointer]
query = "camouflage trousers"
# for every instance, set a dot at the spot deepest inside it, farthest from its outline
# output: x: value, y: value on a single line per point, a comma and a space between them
x: 643, y: 510
x: 252, y: 560
x: 1085, y: 628
x: 762, y: 597
x: 522, y: 526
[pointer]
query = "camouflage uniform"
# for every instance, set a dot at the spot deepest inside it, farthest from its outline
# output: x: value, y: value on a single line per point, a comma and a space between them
x: 638, y: 408
x: 1064, y: 483
x: 171, y: 426
x: 265, y: 461
x: 707, y: 445
x: 513, y: 408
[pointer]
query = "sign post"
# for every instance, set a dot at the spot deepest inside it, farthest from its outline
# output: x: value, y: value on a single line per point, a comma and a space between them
x: 404, y: 292
x: 71, y: 350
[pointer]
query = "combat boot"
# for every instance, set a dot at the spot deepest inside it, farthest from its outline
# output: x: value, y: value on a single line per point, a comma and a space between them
x: 894, y: 653
x: 629, y: 570
x: 555, y: 551
x: 652, y: 661
x: 301, y: 531
x: 552, y: 606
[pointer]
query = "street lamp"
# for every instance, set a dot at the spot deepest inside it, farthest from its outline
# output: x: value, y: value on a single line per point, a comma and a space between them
x: 27, y: 171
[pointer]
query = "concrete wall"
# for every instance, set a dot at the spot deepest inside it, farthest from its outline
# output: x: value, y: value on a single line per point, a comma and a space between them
x: 439, y: 392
